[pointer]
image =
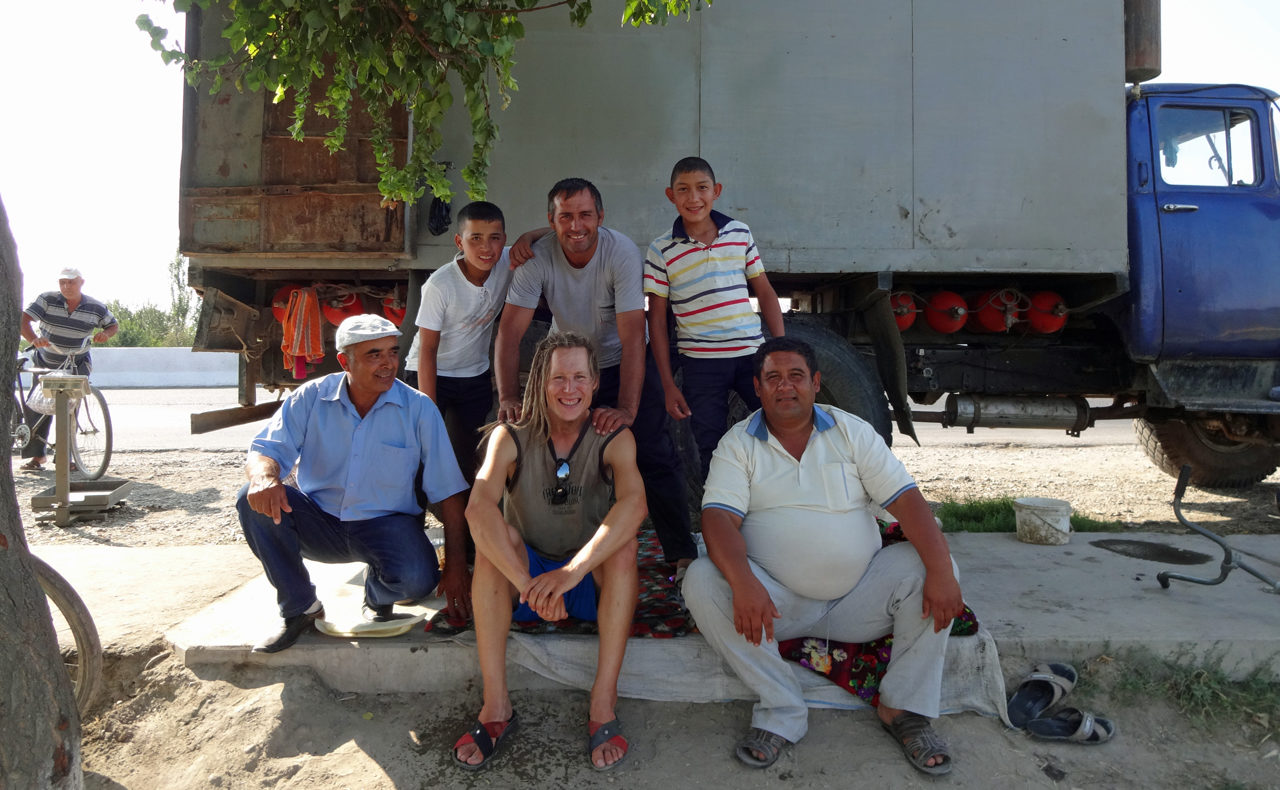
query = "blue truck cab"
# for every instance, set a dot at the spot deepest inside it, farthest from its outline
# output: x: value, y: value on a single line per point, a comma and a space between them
x: 1202, y: 316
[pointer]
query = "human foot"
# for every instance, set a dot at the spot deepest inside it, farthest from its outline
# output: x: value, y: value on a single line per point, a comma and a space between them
x: 921, y: 745
x: 476, y: 746
x: 606, y: 745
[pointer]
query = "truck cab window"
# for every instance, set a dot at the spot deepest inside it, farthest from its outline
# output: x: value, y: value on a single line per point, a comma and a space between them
x: 1207, y: 147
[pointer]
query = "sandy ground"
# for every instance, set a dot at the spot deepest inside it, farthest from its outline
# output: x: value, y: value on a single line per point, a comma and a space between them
x: 161, y: 725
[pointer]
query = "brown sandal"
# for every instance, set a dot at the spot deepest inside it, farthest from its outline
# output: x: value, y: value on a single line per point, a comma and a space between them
x: 33, y: 465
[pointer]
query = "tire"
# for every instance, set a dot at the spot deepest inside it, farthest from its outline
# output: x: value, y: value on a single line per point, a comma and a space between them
x: 19, y: 431
x: 91, y: 443
x: 849, y: 379
x: 1215, y: 462
x: 77, y: 636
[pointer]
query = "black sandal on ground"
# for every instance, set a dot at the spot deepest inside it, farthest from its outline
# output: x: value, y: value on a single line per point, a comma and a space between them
x: 484, y: 741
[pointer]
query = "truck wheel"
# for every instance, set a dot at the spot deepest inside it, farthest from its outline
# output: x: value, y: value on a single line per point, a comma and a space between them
x: 849, y: 379
x: 1216, y: 462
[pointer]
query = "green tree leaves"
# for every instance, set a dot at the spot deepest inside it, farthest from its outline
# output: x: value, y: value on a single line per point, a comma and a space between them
x: 388, y: 53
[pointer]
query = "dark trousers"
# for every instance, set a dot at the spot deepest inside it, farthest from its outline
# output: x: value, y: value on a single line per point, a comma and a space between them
x: 402, y: 562
x: 464, y: 403
x: 657, y: 459
x: 706, y: 387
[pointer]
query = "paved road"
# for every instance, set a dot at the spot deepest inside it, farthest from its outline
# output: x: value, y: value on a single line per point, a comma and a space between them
x: 159, y: 419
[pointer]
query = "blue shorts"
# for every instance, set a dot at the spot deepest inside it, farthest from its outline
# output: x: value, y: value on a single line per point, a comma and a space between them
x: 580, y: 601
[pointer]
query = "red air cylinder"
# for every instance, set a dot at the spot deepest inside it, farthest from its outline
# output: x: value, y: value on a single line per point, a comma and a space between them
x: 1047, y: 314
x: 904, y: 309
x: 994, y: 311
x: 945, y: 312
x: 340, y: 308
x: 394, y: 310
x: 280, y: 300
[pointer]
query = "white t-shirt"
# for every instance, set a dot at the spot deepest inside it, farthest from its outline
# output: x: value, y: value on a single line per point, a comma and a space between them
x: 810, y: 523
x: 463, y: 314
x: 585, y: 300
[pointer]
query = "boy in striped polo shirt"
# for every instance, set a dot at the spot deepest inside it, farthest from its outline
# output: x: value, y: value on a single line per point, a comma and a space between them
x: 701, y: 269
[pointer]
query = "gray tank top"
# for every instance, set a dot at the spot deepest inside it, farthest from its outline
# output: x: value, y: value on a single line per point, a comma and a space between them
x: 557, y: 531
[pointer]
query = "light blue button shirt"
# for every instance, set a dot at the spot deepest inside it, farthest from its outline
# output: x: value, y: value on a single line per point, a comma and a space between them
x: 360, y: 468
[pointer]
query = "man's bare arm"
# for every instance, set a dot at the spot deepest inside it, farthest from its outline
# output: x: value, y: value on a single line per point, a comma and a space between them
x: 489, y: 529
x: 266, y: 492
x: 753, y: 609
x: 630, y: 375
x: 675, y: 403
x: 506, y: 359
x: 455, y: 582
x: 942, y: 597
x: 428, y: 348
x: 767, y: 298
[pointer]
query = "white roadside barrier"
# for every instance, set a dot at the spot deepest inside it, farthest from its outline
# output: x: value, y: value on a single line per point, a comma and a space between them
x: 162, y: 368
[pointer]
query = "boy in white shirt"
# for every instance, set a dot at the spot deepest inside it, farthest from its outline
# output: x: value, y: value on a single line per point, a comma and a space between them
x: 460, y: 304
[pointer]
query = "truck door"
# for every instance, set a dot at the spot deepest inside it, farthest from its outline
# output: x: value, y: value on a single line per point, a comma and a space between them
x: 1219, y: 210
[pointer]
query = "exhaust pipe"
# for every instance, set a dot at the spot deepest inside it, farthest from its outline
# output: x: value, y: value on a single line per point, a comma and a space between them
x: 979, y: 411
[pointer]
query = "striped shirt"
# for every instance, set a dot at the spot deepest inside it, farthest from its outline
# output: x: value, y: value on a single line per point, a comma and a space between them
x: 706, y: 287
x: 66, y: 329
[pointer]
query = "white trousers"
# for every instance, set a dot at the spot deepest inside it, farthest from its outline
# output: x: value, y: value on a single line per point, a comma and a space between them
x: 888, y: 599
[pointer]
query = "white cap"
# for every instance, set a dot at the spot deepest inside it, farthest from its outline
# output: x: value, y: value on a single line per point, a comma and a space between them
x: 359, y: 328
x: 69, y: 273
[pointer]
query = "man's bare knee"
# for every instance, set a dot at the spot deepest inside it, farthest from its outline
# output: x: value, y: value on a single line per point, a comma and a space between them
x: 624, y: 561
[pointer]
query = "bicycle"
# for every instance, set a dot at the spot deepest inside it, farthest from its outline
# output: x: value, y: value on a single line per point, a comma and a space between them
x: 77, y: 636
x: 91, y: 421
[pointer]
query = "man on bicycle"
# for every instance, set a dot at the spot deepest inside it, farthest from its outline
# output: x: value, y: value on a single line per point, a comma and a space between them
x: 67, y: 317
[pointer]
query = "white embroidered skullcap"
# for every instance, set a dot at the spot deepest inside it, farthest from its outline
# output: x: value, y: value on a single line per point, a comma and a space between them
x: 359, y: 328
x: 69, y: 273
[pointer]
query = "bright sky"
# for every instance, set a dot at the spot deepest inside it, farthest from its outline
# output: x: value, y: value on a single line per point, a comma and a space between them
x: 90, y: 129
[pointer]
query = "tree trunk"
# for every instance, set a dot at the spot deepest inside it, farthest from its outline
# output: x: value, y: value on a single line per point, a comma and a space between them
x: 39, y: 727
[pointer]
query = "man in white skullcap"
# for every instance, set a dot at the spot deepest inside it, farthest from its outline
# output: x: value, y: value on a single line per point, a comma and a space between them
x: 67, y: 318
x: 363, y: 442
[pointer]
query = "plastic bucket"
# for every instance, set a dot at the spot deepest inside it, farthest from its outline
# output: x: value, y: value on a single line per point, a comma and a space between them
x: 1043, y: 521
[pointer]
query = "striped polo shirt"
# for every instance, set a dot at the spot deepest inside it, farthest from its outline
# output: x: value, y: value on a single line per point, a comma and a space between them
x: 706, y: 286
x: 67, y: 329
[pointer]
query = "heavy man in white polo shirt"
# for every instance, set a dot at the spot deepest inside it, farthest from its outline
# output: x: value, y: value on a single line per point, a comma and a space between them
x: 789, y: 521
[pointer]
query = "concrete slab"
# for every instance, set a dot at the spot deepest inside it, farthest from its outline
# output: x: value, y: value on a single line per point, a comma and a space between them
x: 1067, y: 602
x: 136, y: 594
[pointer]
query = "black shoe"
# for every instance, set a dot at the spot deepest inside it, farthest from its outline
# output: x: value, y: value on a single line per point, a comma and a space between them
x: 378, y: 614
x: 293, y: 628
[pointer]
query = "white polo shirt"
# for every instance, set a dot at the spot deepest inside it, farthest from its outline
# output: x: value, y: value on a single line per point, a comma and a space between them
x: 809, y: 522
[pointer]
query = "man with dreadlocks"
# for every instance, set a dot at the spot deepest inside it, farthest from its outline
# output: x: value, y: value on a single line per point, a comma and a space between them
x: 562, y: 549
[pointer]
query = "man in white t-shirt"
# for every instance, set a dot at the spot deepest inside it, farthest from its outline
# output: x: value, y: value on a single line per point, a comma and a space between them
x: 788, y: 516
x: 460, y: 304
x: 590, y: 277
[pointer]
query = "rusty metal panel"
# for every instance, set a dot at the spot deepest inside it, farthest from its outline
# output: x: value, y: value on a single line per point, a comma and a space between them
x: 314, y: 222
x: 289, y: 161
x: 221, y: 223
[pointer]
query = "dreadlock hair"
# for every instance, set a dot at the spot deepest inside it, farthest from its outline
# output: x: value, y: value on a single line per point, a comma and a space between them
x: 533, y: 408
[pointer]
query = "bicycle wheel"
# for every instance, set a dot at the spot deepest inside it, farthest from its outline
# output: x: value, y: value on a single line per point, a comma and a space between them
x: 19, y: 431
x: 91, y: 442
x: 77, y: 636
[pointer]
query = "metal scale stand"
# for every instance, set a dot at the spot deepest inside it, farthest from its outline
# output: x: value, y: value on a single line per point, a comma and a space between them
x: 1229, y: 560
x: 80, y: 499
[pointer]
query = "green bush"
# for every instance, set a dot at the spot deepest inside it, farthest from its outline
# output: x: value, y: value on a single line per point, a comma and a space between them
x: 996, y: 515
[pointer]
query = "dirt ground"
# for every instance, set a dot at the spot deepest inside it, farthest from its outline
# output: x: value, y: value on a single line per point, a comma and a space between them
x: 159, y: 724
